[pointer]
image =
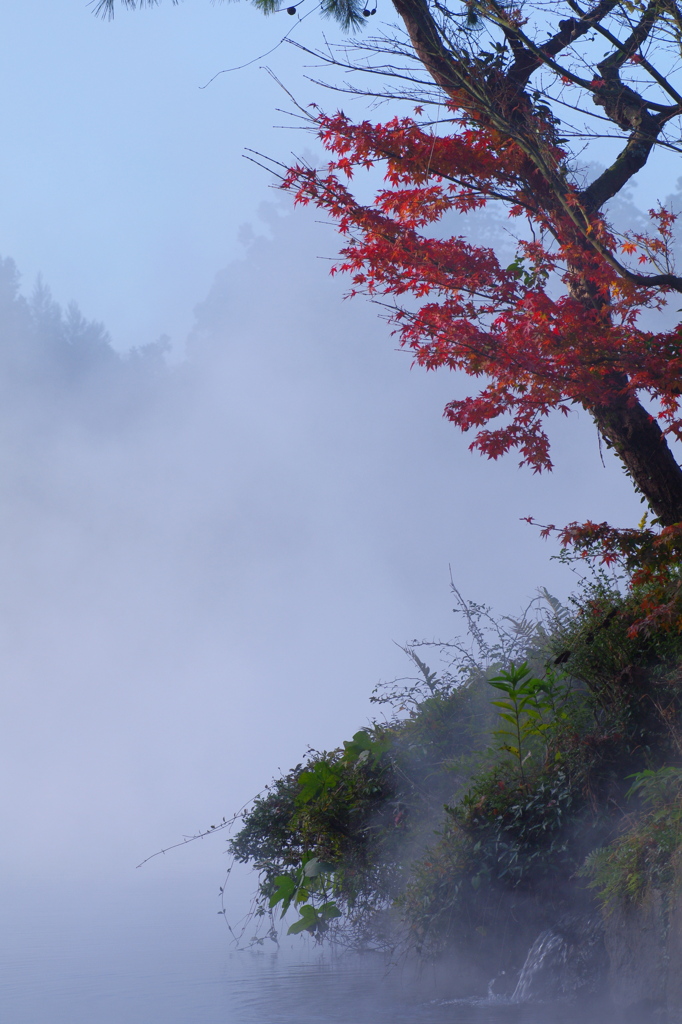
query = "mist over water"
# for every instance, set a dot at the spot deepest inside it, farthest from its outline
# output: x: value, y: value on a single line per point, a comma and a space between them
x: 205, y: 564
x: 80, y: 958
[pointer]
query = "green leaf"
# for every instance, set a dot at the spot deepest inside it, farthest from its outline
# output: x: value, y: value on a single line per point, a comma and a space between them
x: 286, y: 887
x: 362, y: 747
x: 316, y: 781
x: 361, y: 739
x: 307, y: 921
x: 329, y: 911
x: 315, y: 867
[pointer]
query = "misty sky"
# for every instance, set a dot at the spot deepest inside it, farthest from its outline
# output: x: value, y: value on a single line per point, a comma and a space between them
x: 205, y: 566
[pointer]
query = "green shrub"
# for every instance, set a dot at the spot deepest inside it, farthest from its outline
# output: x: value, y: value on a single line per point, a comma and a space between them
x: 633, y: 675
x: 365, y: 810
x: 643, y: 855
x: 336, y: 809
x: 491, y: 782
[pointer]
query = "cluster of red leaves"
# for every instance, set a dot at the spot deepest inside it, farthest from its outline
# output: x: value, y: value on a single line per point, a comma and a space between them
x: 653, y: 249
x: 535, y: 349
x: 652, y: 559
x: 525, y: 331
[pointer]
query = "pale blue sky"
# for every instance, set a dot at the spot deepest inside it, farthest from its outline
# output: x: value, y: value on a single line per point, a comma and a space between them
x: 120, y: 179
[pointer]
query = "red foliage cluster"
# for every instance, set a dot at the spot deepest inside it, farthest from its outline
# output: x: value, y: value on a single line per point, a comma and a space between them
x: 557, y: 327
x: 652, y: 559
x: 535, y: 349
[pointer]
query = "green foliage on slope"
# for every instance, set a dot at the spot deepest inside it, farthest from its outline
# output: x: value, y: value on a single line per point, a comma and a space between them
x: 494, y: 782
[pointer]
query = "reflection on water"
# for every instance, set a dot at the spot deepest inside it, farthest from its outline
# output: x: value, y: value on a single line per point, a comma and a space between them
x: 141, y: 962
x: 235, y: 988
x: 350, y: 990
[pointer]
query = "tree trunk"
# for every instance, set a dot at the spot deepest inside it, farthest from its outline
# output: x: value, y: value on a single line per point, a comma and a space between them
x: 623, y: 423
x: 640, y: 444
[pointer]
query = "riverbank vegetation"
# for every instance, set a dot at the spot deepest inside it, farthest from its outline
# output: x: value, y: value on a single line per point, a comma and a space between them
x: 536, y: 773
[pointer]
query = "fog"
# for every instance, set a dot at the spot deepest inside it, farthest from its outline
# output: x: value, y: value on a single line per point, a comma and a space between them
x: 221, y: 519
x: 207, y: 564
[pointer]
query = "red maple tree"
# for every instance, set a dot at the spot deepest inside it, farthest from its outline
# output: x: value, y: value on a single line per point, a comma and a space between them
x: 561, y: 325
x: 518, y: 89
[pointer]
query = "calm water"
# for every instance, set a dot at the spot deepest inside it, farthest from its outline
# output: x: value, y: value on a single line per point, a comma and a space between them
x: 149, y: 958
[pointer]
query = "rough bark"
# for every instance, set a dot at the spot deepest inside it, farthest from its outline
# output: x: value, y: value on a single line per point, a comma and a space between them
x: 640, y: 444
x: 429, y: 46
x: 624, y: 424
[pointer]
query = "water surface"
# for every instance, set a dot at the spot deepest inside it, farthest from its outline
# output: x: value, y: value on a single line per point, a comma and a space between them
x: 163, y: 956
